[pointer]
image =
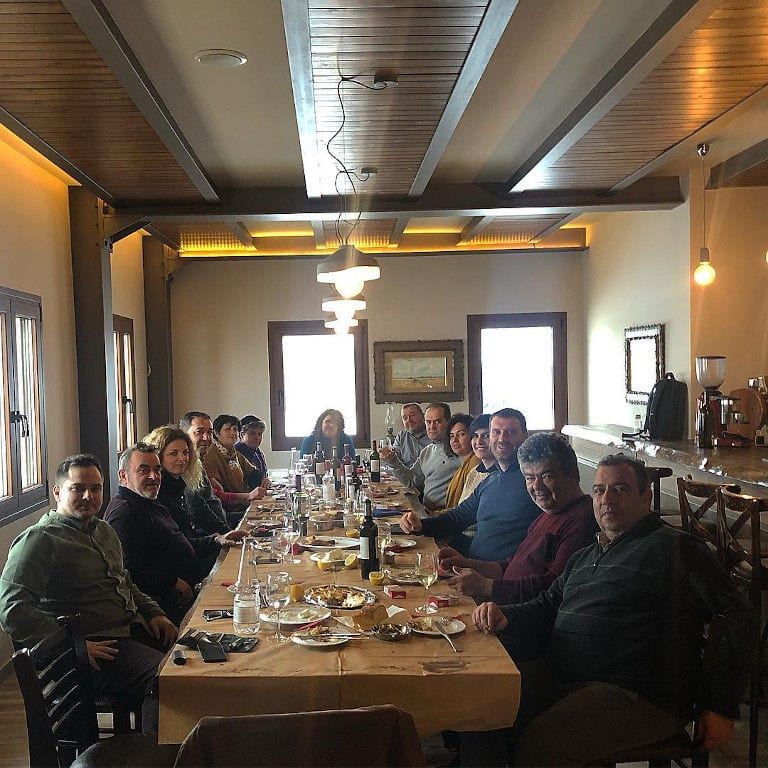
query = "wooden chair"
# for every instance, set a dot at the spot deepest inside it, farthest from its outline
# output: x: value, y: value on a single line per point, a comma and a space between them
x: 54, y: 679
x: 694, y: 518
x: 364, y: 737
x: 655, y: 474
x: 742, y: 554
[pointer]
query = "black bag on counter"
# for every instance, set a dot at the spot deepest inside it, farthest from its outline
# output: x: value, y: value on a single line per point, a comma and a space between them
x: 667, y: 410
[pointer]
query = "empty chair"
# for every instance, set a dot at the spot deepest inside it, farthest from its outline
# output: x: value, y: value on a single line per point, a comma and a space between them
x: 54, y: 679
x: 365, y: 737
x: 741, y: 552
x: 700, y: 518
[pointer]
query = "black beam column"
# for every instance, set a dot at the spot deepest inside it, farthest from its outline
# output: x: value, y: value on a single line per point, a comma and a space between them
x: 92, y: 286
x: 157, y: 314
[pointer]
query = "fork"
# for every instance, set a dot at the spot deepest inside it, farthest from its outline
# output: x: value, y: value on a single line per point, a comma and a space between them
x: 440, y: 624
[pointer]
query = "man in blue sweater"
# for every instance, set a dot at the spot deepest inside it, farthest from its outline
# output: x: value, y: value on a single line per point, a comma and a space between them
x: 619, y: 635
x: 500, y: 506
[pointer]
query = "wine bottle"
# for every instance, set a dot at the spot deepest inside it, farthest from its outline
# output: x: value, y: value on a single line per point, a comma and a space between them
x: 338, y: 474
x: 319, y: 464
x: 375, y: 463
x: 369, y: 549
x: 346, y: 463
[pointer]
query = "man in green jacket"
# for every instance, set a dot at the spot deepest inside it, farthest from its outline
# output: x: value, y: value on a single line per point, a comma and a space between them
x: 71, y: 562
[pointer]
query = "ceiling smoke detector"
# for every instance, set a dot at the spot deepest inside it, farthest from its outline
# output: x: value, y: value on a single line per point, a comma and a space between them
x: 220, y: 58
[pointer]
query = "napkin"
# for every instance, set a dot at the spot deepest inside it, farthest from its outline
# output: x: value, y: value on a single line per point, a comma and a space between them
x: 365, y: 619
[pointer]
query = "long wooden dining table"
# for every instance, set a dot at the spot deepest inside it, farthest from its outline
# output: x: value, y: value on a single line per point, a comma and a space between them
x: 476, y: 689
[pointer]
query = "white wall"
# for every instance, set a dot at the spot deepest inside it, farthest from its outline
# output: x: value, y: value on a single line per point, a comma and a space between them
x: 220, y: 313
x: 637, y: 273
x: 35, y: 258
x: 128, y: 301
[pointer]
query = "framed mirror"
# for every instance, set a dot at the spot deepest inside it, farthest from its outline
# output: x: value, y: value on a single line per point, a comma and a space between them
x: 643, y: 360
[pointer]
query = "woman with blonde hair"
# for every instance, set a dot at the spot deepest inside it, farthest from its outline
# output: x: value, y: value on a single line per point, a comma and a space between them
x: 181, y: 469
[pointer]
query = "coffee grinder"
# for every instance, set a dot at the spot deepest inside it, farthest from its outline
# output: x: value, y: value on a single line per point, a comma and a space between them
x: 715, y: 410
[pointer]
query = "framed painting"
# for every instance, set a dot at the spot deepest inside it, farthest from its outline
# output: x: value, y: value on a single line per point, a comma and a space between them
x: 418, y: 371
x: 643, y: 360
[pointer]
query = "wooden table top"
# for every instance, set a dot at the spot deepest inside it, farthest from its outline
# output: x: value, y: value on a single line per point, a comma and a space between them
x: 476, y: 689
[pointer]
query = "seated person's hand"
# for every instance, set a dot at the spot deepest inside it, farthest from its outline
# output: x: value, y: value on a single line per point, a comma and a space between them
x: 471, y: 583
x: 163, y: 629
x: 257, y: 493
x: 488, y: 618
x: 183, y: 592
x: 449, y: 558
x: 713, y: 730
x: 100, y: 649
x: 266, y: 483
x: 230, y: 538
x: 410, y: 522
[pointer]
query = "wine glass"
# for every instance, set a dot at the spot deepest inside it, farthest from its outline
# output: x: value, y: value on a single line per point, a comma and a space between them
x: 278, y: 592
x: 426, y: 573
x: 280, y: 543
x: 292, y: 533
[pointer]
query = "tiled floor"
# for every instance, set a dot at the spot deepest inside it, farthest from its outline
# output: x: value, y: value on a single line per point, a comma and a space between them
x: 13, y: 737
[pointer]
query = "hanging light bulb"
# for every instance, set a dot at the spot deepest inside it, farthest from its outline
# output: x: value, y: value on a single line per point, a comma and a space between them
x: 704, y: 274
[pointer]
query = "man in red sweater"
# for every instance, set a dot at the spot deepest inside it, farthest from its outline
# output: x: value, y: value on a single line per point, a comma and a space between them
x: 551, y: 473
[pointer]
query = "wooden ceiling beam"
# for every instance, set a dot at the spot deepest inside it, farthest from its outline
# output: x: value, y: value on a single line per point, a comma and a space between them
x: 398, y: 230
x: 473, y: 228
x: 670, y: 28
x: 559, y: 224
x: 318, y: 230
x: 727, y: 172
x: 94, y: 20
x: 241, y: 232
x: 495, y: 21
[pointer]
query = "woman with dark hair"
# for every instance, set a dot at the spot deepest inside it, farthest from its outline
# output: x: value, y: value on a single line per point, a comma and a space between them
x: 329, y: 432
x: 234, y: 479
x: 458, y: 442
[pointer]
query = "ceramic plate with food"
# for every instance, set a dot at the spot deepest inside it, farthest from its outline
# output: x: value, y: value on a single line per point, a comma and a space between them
x: 296, y: 614
x: 318, y: 641
x: 339, y: 596
x: 426, y: 625
x: 327, y: 543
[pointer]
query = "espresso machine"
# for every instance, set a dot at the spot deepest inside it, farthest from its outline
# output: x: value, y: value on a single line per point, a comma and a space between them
x: 715, y: 411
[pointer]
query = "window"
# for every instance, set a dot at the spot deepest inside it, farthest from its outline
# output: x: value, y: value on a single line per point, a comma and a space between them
x: 311, y: 369
x: 519, y: 361
x: 23, y: 465
x: 125, y: 381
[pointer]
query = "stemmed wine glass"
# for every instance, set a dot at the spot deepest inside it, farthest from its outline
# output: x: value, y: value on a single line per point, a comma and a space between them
x: 292, y: 534
x: 281, y: 543
x: 278, y: 593
x: 426, y: 573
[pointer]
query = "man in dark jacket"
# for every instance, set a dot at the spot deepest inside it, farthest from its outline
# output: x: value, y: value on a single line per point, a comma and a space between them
x: 158, y: 556
x: 619, y: 635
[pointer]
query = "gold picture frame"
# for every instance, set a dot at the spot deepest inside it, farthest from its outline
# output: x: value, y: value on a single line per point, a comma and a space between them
x: 643, y: 360
x: 418, y: 371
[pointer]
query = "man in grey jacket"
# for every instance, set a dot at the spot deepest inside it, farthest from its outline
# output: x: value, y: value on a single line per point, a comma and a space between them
x: 410, y: 441
x: 433, y: 469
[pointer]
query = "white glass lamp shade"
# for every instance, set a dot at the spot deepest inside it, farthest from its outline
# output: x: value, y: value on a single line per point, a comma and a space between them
x: 348, y: 269
x: 710, y: 371
x: 341, y: 326
x: 343, y: 308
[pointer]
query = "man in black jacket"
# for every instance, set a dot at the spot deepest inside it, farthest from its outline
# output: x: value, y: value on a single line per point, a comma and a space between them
x: 619, y: 635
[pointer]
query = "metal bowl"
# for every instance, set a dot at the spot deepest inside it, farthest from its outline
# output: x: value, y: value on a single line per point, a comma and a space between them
x: 391, y: 632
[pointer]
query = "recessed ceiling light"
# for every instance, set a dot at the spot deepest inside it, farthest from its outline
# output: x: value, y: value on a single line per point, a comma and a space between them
x: 220, y: 58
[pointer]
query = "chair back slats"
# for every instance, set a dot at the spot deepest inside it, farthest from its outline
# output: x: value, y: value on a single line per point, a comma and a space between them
x: 57, y: 698
x: 698, y: 508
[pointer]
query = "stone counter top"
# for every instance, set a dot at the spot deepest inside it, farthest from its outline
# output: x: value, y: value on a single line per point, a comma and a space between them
x: 745, y: 466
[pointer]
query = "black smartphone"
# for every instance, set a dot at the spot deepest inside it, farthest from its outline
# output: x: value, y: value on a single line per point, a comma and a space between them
x: 214, y: 615
x: 211, y: 652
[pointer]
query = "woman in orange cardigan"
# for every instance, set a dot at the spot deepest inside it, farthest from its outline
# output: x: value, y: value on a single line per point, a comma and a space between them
x: 458, y: 442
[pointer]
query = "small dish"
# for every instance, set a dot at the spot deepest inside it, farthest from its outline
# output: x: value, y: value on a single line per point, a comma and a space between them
x: 391, y: 633
x: 318, y: 641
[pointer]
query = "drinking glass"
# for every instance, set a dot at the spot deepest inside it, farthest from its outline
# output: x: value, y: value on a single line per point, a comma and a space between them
x: 426, y: 573
x: 292, y: 534
x: 281, y: 543
x: 278, y: 592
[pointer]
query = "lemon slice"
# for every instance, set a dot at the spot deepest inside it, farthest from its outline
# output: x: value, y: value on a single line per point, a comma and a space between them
x: 352, y: 533
x: 325, y: 565
x: 376, y: 577
x: 350, y: 561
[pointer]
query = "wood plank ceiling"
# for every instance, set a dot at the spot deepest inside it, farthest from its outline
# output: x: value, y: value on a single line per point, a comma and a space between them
x: 83, y: 99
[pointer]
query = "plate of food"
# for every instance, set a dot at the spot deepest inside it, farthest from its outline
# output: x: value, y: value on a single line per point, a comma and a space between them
x: 379, y: 491
x: 399, y: 541
x: 402, y: 575
x: 318, y: 641
x: 426, y: 625
x: 327, y: 543
x: 339, y: 596
x: 296, y: 615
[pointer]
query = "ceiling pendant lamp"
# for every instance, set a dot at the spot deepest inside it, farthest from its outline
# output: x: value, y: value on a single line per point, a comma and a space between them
x: 343, y: 308
x: 348, y: 269
x: 704, y: 274
x: 341, y: 326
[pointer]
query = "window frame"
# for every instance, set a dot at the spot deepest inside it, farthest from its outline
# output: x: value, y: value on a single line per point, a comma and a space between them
x: 122, y: 327
x: 15, y: 304
x: 557, y: 321
x: 276, y: 330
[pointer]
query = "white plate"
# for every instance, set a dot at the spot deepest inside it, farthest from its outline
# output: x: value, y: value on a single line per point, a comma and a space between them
x: 295, y: 615
x: 404, y: 543
x: 403, y: 576
x: 421, y: 625
x: 362, y: 596
x: 320, y: 556
x: 321, y: 641
x: 340, y: 542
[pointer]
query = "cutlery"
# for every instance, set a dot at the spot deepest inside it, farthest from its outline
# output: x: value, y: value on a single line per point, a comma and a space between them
x: 330, y: 637
x: 439, y: 625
